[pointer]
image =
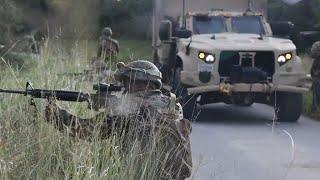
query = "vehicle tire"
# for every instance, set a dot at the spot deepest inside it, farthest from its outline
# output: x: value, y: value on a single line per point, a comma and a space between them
x: 188, y: 102
x: 288, y: 107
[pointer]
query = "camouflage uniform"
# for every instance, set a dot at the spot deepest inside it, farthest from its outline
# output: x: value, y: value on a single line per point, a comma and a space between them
x: 154, y: 115
x: 108, y: 47
x: 315, y: 73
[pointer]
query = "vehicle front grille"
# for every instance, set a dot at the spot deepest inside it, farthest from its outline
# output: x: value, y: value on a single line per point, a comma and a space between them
x: 263, y: 60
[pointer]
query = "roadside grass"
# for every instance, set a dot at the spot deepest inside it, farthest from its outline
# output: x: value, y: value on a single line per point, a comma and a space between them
x: 307, y: 104
x: 133, y: 49
x: 31, y: 148
x: 307, y: 97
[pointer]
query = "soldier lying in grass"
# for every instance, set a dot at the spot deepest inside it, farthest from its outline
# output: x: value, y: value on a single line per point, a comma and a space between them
x: 145, y: 115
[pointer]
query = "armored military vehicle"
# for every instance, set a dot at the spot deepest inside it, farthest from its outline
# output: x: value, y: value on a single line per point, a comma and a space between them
x: 213, y: 51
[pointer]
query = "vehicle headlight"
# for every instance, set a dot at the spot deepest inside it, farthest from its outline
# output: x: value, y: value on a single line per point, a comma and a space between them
x: 207, y: 57
x: 202, y: 55
x: 284, y: 58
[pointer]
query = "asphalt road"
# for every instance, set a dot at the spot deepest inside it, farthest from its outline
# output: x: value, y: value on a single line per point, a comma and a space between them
x: 236, y: 143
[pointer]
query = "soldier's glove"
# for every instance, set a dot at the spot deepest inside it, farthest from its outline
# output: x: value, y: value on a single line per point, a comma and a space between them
x: 184, y: 128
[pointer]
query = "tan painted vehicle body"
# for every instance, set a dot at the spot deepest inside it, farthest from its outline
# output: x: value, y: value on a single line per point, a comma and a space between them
x: 289, y: 77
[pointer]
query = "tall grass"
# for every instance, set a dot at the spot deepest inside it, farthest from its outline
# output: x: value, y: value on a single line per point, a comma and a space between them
x: 307, y: 98
x: 31, y: 148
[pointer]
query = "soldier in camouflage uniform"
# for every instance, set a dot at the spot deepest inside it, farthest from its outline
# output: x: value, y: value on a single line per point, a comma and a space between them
x: 315, y: 73
x: 108, y: 47
x: 154, y: 115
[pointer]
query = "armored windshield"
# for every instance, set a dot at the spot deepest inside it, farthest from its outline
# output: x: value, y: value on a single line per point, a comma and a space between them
x: 209, y: 25
x: 247, y: 24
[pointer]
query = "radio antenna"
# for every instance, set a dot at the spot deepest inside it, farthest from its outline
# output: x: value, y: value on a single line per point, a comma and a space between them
x: 249, y: 5
x: 184, y: 14
x: 249, y: 8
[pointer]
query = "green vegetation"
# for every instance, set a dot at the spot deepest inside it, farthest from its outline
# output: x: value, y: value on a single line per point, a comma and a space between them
x: 129, y: 17
x: 307, y: 102
x: 31, y: 148
x: 134, y: 49
x: 305, y: 15
x: 9, y: 17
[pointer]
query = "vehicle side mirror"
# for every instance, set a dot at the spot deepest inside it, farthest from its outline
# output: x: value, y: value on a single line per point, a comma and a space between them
x: 165, y: 32
x: 284, y: 29
x: 182, y: 33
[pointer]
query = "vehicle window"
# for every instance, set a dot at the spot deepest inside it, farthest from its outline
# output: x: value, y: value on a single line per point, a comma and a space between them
x: 209, y: 25
x: 247, y: 24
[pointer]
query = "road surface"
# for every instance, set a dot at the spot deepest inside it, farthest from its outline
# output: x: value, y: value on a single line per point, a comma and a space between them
x: 237, y: 143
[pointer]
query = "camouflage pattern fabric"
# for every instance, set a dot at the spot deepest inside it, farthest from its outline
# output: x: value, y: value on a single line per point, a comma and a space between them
x: 108, y: 48
x: 154, y: 116
x: 98, y: 65
x: 315, y: 50
x: 315, y: 95
x: 315, y: 73
x: 315, y: 70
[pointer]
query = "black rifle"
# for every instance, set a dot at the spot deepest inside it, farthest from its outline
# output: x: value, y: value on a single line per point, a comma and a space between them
x: 84, y: 73
x: 61, y: 95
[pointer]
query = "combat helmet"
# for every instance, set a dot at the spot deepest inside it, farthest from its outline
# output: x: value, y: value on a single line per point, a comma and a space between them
x: 107, y: 31
x: 140, y: 70
x: 315, y: 50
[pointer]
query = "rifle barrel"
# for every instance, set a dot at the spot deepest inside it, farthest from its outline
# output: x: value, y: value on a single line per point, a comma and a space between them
x: 12, y: 91
x: 59, y: 94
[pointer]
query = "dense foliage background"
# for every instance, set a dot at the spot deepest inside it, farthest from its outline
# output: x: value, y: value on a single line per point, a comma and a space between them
x: 305, y: 15
x: 127, y: 17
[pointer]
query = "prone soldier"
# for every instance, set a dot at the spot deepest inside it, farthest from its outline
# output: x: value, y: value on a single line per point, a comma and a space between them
x: 315, y: 73
x: 108, y: 47
x: 154, y: 115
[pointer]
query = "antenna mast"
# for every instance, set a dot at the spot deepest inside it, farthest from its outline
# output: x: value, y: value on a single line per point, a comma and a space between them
x: 184, y: 14
x: 249, y: 6
x: 249, y: 9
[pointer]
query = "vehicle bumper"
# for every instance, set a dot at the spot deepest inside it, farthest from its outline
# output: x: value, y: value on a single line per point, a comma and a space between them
x: 243, y: 87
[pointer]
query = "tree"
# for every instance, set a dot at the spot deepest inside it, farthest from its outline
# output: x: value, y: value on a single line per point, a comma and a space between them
x: 305, y: 14
x: 129, y: 17
x: 9, y: 16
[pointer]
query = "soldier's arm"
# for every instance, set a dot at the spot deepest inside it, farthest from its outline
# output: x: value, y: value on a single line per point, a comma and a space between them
x: 315, y: 70
x: 99, y: 51
x: 117, y: 45
x: 102, y: 47
x: 75, y: 126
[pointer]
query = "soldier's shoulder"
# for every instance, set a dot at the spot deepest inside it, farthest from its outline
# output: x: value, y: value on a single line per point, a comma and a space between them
x: 316, y: 63
x: 157, y: 97
x: 155, y: 94
x: 114, y: 41
x: 315, y: 50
